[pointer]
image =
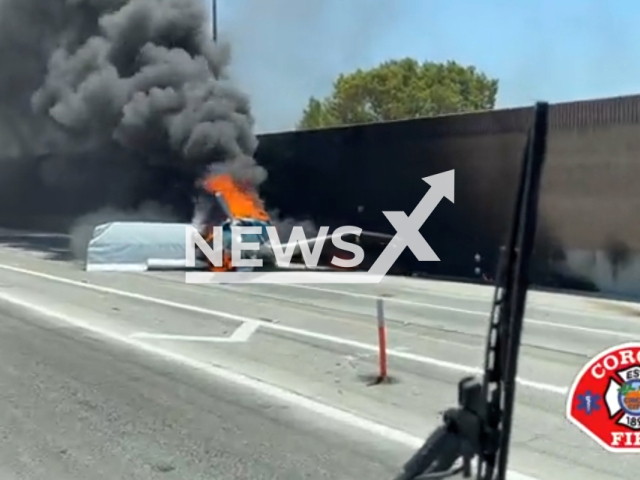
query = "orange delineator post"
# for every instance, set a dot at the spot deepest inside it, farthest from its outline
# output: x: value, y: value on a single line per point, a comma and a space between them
x: 382, y: 339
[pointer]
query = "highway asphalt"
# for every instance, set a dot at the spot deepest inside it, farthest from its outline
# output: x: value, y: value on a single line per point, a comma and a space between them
x: 116, y: 375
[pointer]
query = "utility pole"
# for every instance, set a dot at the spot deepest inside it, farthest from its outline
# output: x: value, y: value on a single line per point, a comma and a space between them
x: 214, y: 19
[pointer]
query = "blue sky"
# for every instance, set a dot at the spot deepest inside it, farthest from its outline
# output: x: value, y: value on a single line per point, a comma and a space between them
x: 561, y: 50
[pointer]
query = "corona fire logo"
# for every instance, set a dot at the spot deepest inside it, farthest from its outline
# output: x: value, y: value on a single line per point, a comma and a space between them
x: 604, y: 401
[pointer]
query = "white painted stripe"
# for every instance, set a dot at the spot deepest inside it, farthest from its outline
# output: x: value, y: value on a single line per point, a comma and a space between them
x: 487, y: 298
x: 391, y: 299
x: 434, y: 306
x: 283, y: 328
x: 583, y: 313
x: 283, y: 297
x: 276, y: 393
x: 242, y: 334
x: 597, y: 331
x: 180, y: 338
x: 485, y: 292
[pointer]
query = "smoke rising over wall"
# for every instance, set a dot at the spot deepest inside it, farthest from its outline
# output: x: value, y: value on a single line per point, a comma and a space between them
x: 149, y: 78
x: 134, y: 84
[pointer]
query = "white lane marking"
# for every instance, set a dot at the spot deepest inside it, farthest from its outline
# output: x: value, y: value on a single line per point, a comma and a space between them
x: 426, y: 290
x: 388, y: 299
x: 582, y: 313
x: 243, y: 332
x: 461, y: 345
x: 240, y: 335
x: 283, y: 328
x: 532, y: 321
x: 488, y: 296
x: 276, y: 393
x: 597, y: 331
x: 396, y: 330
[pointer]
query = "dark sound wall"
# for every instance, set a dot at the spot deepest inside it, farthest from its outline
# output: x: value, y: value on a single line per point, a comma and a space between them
x: 589, y: 199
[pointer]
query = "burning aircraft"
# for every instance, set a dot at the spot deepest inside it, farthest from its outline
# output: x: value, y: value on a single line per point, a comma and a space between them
x: 227, y: 202
x: 222, y: 201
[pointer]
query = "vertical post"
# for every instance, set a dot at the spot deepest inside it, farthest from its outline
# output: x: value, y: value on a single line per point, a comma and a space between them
x: 382, y: 340
x: 214, y: 19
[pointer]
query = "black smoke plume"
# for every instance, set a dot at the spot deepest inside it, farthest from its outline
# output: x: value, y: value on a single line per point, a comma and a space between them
x: 102, y: 97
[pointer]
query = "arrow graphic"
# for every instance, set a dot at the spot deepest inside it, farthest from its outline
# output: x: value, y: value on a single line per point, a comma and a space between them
x: 408, y: 228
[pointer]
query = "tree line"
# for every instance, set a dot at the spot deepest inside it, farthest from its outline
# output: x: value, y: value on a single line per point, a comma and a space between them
x: 401, y: 89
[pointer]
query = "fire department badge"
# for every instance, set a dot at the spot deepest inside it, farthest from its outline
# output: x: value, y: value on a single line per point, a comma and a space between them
x: 604, y: 400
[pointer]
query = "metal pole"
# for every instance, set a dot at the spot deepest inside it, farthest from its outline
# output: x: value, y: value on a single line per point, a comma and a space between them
x: 214, y: 19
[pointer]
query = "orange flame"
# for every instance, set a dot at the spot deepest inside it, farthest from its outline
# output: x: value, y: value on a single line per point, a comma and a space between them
x: 242, y: 200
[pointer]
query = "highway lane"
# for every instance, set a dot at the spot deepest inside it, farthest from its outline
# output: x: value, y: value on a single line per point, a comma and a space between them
x: 435, y: 338
x: 75, y: 407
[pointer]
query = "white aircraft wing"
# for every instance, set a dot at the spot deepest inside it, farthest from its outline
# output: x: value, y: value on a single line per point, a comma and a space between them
x: 312, y: 241
x: 309, y: 241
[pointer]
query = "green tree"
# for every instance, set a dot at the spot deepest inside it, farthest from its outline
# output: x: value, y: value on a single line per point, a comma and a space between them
x: 401, y: 89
